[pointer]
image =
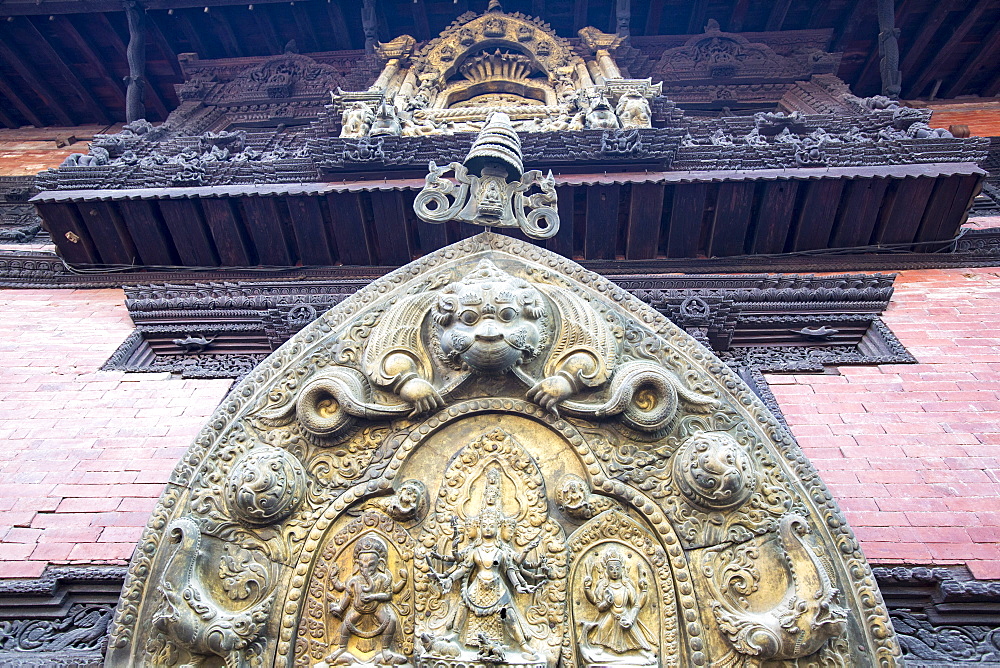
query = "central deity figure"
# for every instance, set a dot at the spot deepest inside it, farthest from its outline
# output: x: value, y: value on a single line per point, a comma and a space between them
x: 489, y: 571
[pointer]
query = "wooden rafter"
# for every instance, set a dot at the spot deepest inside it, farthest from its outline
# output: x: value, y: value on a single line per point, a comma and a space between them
x: 940, y: 56
x: 266, y: 28
x: 35, y: 81
x: 308, y: 41
x: 776, y: 17
x: 739, y: 15
x: 225, y: 34
x: 653, y: 17
x: 58, y: 61
x: 192, y: 35
x: 98, y: 65
x: 339, y: 25
x: 992, y: 88
x: 163, y: 45
x: 118, y: 46
x: 579, y: 15
x: 846, y: 27
x: 697, y: 17
x: 917, y: 48
x: 8, y: 91
x: 420, y: 21
x: 979, y: 59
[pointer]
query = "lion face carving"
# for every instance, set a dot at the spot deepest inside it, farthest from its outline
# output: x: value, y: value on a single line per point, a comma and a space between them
x: 490, y: 321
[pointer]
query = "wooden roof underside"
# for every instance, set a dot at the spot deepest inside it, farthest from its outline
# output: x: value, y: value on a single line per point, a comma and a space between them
x: 62, y: 62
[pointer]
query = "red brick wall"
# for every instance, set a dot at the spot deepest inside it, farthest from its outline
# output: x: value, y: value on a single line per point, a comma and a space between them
x: 983, y: 119
x: 28, y: 150
x: 912, y: 452
x: 84, y: 453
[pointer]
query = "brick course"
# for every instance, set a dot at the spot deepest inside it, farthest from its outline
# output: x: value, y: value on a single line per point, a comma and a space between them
x: 83, y: 452
x: 918, y: 441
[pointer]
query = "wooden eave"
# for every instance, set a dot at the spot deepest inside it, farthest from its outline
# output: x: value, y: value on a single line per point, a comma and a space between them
x: 630, y: 216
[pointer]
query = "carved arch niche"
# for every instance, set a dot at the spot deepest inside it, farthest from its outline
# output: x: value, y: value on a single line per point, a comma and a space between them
x: 492, y: 457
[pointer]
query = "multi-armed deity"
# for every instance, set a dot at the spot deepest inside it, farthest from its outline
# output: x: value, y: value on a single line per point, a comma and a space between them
x: 492, y: 457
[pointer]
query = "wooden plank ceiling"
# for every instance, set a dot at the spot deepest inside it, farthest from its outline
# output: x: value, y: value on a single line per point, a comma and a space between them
x: 603, y: 218
x: 62, y: 62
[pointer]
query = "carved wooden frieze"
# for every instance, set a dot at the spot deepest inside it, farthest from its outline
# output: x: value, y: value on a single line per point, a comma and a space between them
x: 492, y: 457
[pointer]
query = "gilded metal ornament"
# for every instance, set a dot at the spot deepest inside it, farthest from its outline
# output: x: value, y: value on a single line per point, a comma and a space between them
x: 492, y: 457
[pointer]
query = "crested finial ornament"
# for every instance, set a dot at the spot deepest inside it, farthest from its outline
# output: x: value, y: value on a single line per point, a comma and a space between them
x: 492, y: 187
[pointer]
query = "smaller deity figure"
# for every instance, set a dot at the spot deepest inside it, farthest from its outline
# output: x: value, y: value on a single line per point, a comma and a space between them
x: 407, y: 504
x: 356, y: 120
x: 576, y: 500
x: 364, y: 606
x: 618, y: 630
x: 386, y: 121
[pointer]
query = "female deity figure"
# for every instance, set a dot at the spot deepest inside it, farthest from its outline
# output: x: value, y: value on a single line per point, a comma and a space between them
x: 365, y: 607
x: 618, y: 600
x: 489, y: 571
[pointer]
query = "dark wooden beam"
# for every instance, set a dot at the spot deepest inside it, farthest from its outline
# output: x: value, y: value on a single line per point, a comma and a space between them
x: 192, y: 35
x: 266, y: 28
x: 992, y: 88
x: 779, y: 10
x: 917, y: 48
x: 654, y: 17
x: 420, y: 20
x: 932, y: 68
x: 645, y: 214
x: 58, y: 63
x: 847, y: 25
x: 33, y: 80
x: 7, y: 121
x: 339, y: 25
x: 115, y: 40
x: 697, y: 18
x: 96, y: 63
x: 579, y: 15
x: 225, y: 34
x: 739, y: 15
x: 163, y: 45
x: 979, y: 59
x: 601, y: 242
x: 308, y: 41
x: 686, y: 216
x: 26, y: 109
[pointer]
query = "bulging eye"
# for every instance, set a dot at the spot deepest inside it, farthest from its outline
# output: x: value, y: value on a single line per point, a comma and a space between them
x: 470, y: 317
x: 506, y: 314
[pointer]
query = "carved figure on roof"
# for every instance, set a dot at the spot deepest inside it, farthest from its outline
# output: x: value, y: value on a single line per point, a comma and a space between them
x: 356, y: 120
x: 601, y: 116
x: 633, y: 111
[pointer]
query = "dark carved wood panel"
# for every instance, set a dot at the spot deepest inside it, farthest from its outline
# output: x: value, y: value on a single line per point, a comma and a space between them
x: 819, y: 211
x: 775, y: 215
x: 859, y: 212
x: 226, y: 231
x: 645, y: 214
x: 63, y: 223
x: 685, y: 219
x: 191, y: 237
x: 152, y: 241
x: 263, y: 221
x: 392, y: 235
x: 906, y: 200
x: 104, y: 222
x: 349, y: 229
x: 306, y: 217
x: 602, y: 222
x: 733, y: 208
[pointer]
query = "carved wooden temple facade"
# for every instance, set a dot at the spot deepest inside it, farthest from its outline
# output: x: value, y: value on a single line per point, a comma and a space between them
x: 562, y: 441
